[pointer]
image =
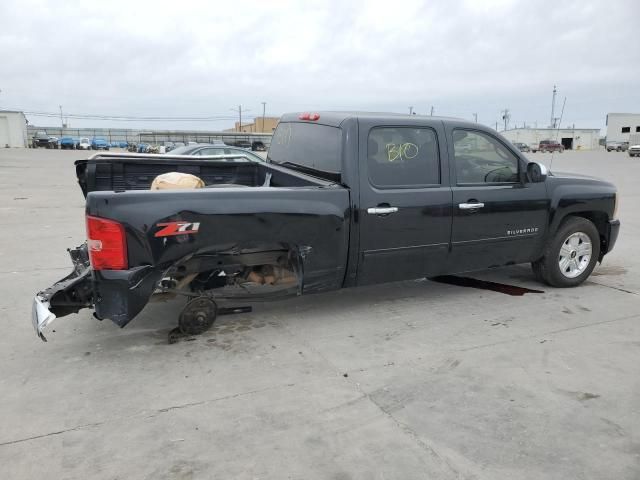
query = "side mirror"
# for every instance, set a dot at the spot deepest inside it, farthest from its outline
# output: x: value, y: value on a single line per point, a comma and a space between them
x: 536, y: 172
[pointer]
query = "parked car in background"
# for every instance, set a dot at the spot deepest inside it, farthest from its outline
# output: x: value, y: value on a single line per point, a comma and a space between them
x: 523, y: 147
x: 549, y: 146
x: 84, y: 144
x: 634, y: 150
x: 214, y: 149
x: 42, y: 139
x: 258, y: 146
x: 239, y: 143
x: 143, y: 148
x: 54, y: 142
x: 617, y: 146
x: 98, y: 143
x: 68, y: 143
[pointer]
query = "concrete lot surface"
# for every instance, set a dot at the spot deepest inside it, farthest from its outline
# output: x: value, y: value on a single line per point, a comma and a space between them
x: 403, y: 381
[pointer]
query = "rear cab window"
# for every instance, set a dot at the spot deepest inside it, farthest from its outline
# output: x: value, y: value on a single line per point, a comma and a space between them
x: 313, y: 147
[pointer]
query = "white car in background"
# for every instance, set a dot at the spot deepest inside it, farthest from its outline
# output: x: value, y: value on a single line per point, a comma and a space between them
x: 634, y: 150
x: 84, y: 144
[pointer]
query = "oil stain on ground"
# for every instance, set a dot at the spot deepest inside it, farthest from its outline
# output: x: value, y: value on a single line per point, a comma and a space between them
x: 484, y: 285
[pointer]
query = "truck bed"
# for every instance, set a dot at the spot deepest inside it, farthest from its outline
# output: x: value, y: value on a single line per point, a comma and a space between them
x: 130, y: 171
x: 267, y: 219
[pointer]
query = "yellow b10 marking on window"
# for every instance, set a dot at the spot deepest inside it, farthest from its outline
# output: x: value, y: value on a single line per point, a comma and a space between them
x: 399, y: 151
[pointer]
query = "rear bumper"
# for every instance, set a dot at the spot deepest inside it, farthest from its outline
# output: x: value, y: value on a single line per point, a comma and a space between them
x: 121, y: 294
x: 68, y: 295
x: 41, y: 316
x: 118, y: 295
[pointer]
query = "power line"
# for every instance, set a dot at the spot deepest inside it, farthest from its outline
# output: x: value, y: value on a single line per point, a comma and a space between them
x: 87, y: 116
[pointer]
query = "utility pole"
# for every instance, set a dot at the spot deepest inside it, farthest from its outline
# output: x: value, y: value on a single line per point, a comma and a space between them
x: 61, y: 120
x: 475, y: 117
x: 506, y: 116
x: 239, y: 110
x: 264, y: 109
x: 553, y: 108
x: 432, y: 110
x: 410, y: 110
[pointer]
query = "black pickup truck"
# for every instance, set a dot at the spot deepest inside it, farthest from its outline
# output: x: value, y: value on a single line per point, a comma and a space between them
x: 344, y: 199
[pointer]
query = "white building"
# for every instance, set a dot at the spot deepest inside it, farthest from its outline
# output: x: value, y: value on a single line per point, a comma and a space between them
x: 571, y: 138
x: 13, y: 129
x: 621, y: 125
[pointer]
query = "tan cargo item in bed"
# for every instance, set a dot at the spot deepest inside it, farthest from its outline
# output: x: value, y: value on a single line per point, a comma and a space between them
x: 175, y: 181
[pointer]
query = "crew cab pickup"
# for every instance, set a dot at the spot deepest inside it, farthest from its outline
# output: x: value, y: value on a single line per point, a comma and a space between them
x: 344, y: 199
x: 549, y: 146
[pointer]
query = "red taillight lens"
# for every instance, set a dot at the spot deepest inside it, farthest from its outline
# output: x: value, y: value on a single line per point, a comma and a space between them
x: 107, y: 244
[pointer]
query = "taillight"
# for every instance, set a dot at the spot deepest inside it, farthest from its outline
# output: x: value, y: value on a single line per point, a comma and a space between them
x: 309, y: 116
x: 107, y: 244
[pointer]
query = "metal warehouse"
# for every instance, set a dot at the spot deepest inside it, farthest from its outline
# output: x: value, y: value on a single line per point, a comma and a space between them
x: 13, y: 129
x: 570, y: 138
x: 621, y: 126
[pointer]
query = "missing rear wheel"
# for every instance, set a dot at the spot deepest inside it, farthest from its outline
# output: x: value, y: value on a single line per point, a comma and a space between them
x: 197, y: 316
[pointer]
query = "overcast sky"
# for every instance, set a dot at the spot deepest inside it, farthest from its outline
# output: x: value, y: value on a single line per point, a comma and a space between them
x: 200, y: 59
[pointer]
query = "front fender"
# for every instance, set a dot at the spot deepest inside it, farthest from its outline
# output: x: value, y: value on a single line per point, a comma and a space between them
x: 586, y: 197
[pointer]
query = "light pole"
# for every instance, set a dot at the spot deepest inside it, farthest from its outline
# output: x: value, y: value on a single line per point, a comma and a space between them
x: 61, y: 120
x: 264, y: 109
x: 475, y: 117
x: 410, y: 110
x: 432, y: 110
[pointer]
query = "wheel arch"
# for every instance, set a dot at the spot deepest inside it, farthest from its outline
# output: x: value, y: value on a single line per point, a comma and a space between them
x: 599, y: 219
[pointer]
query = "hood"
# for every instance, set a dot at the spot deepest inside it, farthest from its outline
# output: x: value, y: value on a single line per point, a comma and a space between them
x: 566, y: 177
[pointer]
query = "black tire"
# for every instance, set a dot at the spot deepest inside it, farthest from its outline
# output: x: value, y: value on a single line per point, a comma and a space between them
x: 546, y: 269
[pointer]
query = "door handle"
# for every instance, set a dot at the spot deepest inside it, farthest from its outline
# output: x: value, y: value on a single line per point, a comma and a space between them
x: 470, y: 206
x: 381, y: 210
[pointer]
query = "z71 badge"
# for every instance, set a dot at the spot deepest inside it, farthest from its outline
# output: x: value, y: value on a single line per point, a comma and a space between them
x: 171, y: 229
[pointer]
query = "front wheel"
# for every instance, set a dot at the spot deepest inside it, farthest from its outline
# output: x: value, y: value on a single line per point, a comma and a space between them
x: 571, y: 255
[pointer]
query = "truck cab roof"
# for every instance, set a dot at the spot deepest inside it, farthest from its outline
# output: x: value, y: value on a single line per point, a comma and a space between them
x: 337, y: 118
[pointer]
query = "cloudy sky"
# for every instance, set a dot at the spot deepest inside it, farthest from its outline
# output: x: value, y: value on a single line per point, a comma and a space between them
x: 194, y: 59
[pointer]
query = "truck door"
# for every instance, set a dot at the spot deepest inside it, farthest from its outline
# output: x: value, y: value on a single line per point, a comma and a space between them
x: 405, y: 204
x: 498, y: 219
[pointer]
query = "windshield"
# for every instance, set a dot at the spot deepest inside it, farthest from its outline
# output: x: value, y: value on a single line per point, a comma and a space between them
x: 308, y: 145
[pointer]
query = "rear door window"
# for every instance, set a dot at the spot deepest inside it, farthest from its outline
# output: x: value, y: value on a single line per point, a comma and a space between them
x: 403, y: 157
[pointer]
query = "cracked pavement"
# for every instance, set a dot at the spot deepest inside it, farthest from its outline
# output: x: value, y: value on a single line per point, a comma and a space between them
x: 409, y: 380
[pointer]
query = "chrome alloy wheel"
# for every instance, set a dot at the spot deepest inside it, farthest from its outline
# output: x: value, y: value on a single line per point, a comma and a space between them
x: 575, y: 254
